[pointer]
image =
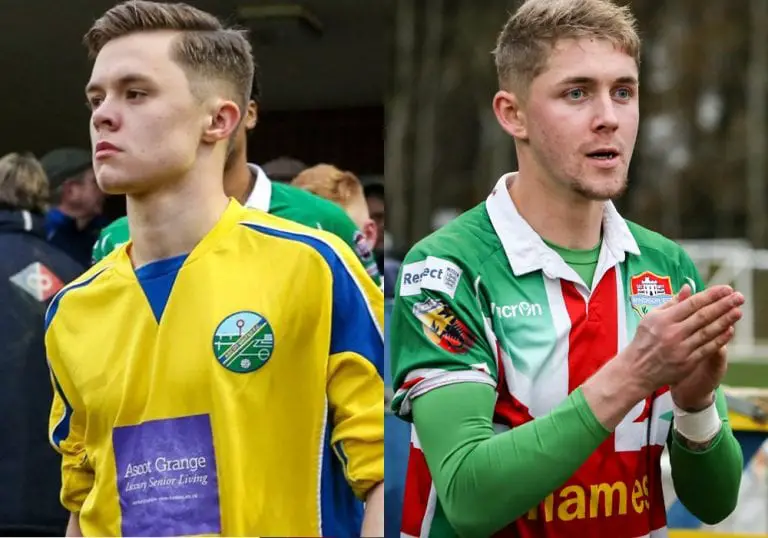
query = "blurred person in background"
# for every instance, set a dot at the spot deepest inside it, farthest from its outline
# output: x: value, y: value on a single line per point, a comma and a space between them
x: 252, y: 187
x: 187, y: 386
x: 344, y: 189
x: 74, y: 222
x: 374, y: 197
x: 547, y: 350
x: 387, y: 260
x: 283, y: 169
x: 31, y: 272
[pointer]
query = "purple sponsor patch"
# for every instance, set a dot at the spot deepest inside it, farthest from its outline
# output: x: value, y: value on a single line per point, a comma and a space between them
x: 166, y: 477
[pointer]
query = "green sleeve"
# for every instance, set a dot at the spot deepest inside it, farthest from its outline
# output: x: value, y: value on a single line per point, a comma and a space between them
x: 472, y: 468
x: 716, y: 469
x: 110, y: 238
x: 341, y: 225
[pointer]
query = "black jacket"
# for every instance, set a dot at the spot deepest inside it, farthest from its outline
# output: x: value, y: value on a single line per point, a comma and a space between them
x: 31, y: 271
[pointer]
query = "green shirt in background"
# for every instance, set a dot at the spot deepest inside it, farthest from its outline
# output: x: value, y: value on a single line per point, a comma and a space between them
x: 283, y: 201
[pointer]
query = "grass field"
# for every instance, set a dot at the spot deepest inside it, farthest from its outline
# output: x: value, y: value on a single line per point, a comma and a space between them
x: 748, y: 374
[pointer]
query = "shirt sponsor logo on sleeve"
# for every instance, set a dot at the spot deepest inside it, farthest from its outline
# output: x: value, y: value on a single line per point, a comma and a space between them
x: 648, y: 291
x: 434, y: 274
x: 442, y: 327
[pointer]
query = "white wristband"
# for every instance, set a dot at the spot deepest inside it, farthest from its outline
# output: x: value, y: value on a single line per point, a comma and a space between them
x: 699, y: 427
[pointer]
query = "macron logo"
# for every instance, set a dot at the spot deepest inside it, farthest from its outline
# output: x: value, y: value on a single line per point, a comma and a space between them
x: 523, y: 309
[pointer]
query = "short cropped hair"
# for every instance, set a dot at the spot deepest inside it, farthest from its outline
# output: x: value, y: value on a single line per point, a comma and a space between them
x: 206, y: 50
x: 23, y: 183
x: 529, y: 35
x: 327, y: 181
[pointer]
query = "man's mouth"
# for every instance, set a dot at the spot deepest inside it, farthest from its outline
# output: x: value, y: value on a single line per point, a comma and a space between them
x: 603, y: 155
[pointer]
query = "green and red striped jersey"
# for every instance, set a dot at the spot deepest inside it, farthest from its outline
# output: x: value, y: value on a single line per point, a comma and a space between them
x: 485, y: 300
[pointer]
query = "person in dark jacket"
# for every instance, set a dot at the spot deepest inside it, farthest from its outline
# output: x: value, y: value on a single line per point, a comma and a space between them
x: 31, y: 272
x: 75, y: 221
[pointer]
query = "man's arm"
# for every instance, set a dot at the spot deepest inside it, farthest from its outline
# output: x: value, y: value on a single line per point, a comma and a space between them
x: 73, y: 526
x: 66, y: 434
x: 487, y: 481
x: 355, y: 387
x: 373, y: 521
x: 715, y: 468
x: 472, y: 469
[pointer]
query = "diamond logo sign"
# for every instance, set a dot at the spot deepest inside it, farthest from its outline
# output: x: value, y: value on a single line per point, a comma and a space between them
x: 38, y: 281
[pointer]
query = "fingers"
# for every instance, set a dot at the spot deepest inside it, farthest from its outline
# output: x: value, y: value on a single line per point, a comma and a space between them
x: 713, y: 346
x: 682, y: 295
x: 687, y: 307
x: 712, y: 319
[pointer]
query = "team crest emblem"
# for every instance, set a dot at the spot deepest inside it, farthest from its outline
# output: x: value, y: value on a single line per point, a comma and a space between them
x: 243, y: 342
x: 649, y: 291
x: 442, y: 326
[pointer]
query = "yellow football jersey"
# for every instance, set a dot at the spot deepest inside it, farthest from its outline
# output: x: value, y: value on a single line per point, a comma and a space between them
x: 236, y: 390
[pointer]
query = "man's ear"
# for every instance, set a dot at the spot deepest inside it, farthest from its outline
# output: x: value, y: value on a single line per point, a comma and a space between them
x: 251, y: 115
x: 222, y: 122
x: 510, y: 114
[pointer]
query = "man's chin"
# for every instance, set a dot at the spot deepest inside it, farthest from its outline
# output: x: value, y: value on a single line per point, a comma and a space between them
x: 120, y: 186
x: 601, y: 193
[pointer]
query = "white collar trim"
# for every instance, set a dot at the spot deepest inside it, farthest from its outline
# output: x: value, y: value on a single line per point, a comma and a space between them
x: 527, y: 252
x: 261, y: 196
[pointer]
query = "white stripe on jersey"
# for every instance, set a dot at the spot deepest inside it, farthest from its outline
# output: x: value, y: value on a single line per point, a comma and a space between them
x: 429, y: 515
x: 621, y: 313
x: 554, y: 391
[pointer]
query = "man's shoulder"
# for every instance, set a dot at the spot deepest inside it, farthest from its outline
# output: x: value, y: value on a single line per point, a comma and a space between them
x: 468, y: 239
x: 291, y: 231
x: 83, y: 286
x: 654, y: 244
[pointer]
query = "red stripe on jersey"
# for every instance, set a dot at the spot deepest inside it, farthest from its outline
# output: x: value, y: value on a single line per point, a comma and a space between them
x: 408, y: 384
x: 594, y: 337
x: 416, y: 496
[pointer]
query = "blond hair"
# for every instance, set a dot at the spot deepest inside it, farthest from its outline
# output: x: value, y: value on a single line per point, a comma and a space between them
x: 205, y: 49
x: 23, y: 183
x: 524, y: 44
x: 339, y: 186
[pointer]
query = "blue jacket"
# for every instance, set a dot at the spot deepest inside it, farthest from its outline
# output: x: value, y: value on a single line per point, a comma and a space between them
x: 61, y: 231
x: 31, y: 271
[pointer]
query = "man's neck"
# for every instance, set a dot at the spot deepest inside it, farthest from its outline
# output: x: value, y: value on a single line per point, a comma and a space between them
x: 563, y: 218
x: 173, y: 220
x: 239, y: 181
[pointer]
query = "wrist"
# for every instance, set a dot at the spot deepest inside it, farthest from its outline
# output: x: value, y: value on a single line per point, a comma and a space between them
x: 699, y: 427
x: 692, y: 405
x: 627, y: 379
x: 612, y: 392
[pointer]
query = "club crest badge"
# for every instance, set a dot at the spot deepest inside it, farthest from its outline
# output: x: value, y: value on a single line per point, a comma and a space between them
x: 442, y: 327
x: 243, y: 342
x: 649, y: 291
